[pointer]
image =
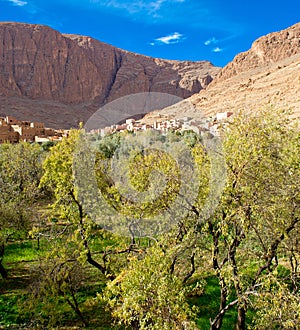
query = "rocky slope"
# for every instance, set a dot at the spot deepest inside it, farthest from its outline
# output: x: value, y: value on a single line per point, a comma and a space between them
x: 265, y: 51
x: 61, y: 79
x: 268, y: 75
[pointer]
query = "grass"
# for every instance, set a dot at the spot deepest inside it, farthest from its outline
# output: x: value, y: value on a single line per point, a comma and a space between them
x: 22, y: 261
x: 24, y: 251
x: 19, y: 259
x: 9, y: 309
x: 208, y: 306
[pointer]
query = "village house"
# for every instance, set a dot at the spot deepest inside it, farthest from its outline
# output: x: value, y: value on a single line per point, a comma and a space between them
x: 7, y: 134
x: 164, y: 124
x: 13, y: 130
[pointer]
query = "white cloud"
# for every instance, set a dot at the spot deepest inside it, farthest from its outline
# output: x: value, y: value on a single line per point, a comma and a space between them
x: 155, y: 5
x: 217, y: 50
x: 213, y: 41
x: 210, y: 41
x: 151, y: 8
x: 133, y: 6
x: 19, y: 3
x: 173, y: 38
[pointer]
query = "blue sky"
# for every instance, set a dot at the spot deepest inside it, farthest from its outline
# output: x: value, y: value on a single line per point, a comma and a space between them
x: 214, y: 30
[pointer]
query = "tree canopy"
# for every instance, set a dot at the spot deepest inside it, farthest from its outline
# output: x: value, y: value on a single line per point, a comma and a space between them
x: 234, y: 238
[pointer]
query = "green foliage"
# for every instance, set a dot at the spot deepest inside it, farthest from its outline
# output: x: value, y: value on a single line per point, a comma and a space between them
x: 109, y: 143
x: 47, y: 145
x: 141, y: 167
x: 257, y: 212
x: 20, y: 172
x: 62, y: 277
x: 277, y: 306
x: 59, y: 178
x: 147, y: 296
x: 191, y: 138
x: 239, y: 267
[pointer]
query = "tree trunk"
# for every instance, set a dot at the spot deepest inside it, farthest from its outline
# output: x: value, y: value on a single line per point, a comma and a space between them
x: 241, y: 319
x: 3, y: 271
x: 216, y: 324
x: 135, y: 325
x: 75, y: 306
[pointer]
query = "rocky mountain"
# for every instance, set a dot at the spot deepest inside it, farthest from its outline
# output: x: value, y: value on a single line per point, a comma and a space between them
x: 61, y: 79
x: 267, y: 75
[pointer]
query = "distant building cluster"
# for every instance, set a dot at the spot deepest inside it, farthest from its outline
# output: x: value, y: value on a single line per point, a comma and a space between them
x: 13, y: 130
x: 163, y: 124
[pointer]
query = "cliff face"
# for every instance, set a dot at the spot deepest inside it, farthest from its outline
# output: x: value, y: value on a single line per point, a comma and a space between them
x: 267, y: 75
x: 39, y: 63
x: 265, y: 51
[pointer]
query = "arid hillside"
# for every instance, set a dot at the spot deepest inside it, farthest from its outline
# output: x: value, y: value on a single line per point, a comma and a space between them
x: 268, y: 75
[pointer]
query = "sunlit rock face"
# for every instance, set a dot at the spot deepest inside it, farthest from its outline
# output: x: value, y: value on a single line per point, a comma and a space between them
x: 40, y: 64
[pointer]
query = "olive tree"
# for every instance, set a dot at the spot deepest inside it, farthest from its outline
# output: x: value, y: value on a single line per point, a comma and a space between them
x: 20, y: 173
x: 258, y: 214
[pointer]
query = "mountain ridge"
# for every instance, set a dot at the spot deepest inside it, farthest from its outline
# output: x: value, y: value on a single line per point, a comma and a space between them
x: 39, y: 63
x: 267, y: 49
x: 267, y: 75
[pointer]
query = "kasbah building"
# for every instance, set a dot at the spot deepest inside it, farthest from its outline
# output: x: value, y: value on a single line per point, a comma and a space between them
x: 13, y: 130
